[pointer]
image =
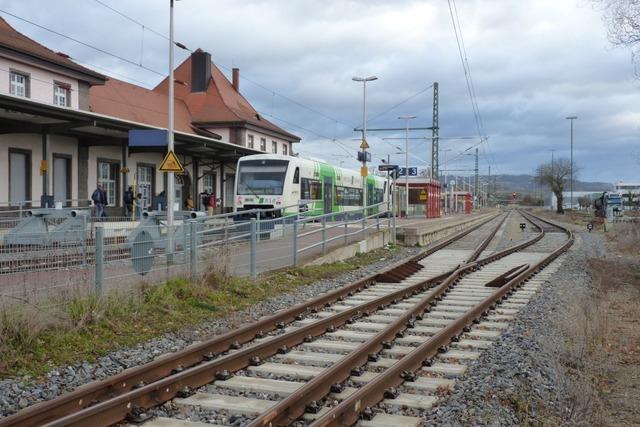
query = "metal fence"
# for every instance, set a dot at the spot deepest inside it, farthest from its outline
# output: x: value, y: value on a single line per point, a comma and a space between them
x: 66, y: 253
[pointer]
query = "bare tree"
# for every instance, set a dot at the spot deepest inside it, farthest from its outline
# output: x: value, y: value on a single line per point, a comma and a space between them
x: 585, y: 202
x: 622, y: 18
x: 556, y: 175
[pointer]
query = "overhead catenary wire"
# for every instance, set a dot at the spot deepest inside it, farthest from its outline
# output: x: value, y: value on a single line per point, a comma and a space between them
x: 243, y: 77
x: 90, y: 46
x: 347, y: 149
x: 399, y: 104
x: 124, y: 15
x: 462, y: 51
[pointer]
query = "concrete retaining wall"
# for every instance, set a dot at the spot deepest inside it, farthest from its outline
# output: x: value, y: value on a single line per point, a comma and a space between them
x: 411, y: 236
x: 373, y: 241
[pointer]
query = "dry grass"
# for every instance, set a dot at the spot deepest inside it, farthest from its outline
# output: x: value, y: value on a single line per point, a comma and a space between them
x: 625, y: 238
x: 85, y: 327
x: 602, y: 351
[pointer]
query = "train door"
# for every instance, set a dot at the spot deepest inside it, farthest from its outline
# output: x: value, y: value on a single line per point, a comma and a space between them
x: 371, y: 195
x: 328, y: 194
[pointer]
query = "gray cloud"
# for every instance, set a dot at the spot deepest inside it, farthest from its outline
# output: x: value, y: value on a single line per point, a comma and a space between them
x: 533, y: 63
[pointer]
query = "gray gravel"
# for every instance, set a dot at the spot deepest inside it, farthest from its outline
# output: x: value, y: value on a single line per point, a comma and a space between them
x: 518, y: 380
x: 16, y: 394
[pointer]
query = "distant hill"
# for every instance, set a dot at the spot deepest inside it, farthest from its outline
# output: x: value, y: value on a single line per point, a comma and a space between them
x: 526, y: 183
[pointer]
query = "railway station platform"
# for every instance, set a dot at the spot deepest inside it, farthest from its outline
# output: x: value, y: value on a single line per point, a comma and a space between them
x: 422, y: 231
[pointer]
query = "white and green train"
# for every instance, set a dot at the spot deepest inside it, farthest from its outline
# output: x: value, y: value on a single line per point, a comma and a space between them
x: 265, y: 181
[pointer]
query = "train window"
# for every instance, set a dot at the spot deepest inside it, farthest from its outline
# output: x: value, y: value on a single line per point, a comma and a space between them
x: 347, y: 196
x: 311, y: 189
x: 296, y: 176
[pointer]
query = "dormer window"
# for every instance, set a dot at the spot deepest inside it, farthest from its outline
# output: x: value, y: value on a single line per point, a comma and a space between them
x: 61, y: 95
x: 19, y: 84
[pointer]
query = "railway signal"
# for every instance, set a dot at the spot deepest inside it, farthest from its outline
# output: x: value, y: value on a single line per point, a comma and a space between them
x: 522, y: 225
x: 590, y: 227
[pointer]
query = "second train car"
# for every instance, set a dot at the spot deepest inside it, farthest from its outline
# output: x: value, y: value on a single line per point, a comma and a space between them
x: 265, y: 181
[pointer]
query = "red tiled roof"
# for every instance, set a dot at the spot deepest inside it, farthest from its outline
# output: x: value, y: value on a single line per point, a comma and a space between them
x: 130, y: 102
x: 220, y: 104
x: 13, y: 40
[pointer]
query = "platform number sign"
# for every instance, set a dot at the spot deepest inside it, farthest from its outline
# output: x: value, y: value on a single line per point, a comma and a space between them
x: 413, y: 171
x: 523, y: 226
x: 590, y: 227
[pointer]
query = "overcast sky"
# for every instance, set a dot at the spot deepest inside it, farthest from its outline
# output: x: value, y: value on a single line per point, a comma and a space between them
x: 532, y: 62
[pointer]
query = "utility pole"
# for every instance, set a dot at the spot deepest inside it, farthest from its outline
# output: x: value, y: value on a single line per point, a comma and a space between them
x: 406, y: 160
x: 171, y: 193
x: 489, y: 186
x: 571, y: 118
x: 364, y: 145
x: 435, y: 166
x: 475, y: 184
x: 446, y: 184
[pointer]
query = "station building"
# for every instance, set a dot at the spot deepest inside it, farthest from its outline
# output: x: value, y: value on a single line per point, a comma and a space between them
x: 64, y: 129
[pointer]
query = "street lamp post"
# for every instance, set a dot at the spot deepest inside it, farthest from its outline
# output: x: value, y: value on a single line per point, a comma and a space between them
x: 406, y: 160
x: 571, y: 118
x: 364, y: 144
x: 446, y: 173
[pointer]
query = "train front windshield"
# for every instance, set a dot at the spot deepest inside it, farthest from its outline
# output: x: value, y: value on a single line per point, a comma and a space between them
x: 261, y: 177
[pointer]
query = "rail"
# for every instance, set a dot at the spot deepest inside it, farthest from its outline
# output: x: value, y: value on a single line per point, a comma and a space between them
x: 348, y: 411
x: 108, y: 401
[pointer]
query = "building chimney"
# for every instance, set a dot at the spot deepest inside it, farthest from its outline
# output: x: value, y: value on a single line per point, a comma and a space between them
x: 236, y: 79
x: 200, y: 70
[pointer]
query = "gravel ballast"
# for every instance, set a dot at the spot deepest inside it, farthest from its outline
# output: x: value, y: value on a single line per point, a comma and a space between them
x: 519, y: 379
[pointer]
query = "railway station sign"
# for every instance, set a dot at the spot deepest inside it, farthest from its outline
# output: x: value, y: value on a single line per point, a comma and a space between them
x: 171, y: 163
x: 413, y: 171
x: 148, y: 138
x: 387, y: 168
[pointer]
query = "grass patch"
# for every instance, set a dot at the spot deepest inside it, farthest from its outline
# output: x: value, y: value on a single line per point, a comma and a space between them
x: 35, y: 340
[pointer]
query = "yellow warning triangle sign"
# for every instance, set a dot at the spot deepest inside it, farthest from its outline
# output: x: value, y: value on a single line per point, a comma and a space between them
x: 364, y: 144
x: 171, y: 163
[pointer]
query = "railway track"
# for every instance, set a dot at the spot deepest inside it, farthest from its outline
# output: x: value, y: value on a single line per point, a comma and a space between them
x: 352, y: 342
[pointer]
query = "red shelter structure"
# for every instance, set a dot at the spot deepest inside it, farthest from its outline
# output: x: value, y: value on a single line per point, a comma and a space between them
x: 424, y: 196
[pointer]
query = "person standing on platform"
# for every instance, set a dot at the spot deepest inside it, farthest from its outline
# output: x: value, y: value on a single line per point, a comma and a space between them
x: 128, y: 202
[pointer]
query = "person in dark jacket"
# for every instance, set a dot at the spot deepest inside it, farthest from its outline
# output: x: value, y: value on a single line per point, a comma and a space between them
x: 128, y: 202
x: 99, y: 198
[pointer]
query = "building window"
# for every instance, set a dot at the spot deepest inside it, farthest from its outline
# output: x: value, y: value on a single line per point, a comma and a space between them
x: 263, y: 144
x: 61, y: 95
x: 208, y: 182
x: 285, y: 149
x: 145, y: 180
x: 250, y: 141
x: 19, y: 84
x: 274, y: 147
x: 108, y: 180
